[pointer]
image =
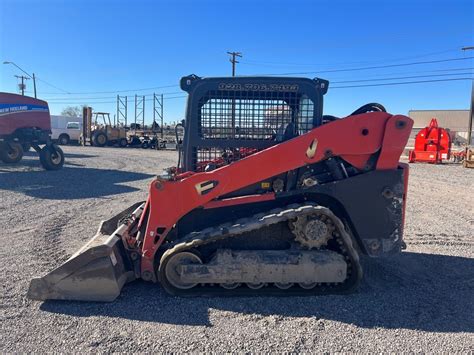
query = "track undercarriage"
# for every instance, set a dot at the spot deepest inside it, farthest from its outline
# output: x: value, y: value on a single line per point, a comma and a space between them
x: 316, y: 256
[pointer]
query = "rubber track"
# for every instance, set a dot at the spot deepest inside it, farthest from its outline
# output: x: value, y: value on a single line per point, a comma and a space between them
x: 195, y: 240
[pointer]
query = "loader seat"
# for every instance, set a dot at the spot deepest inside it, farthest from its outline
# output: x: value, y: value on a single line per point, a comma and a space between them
x: 285, y: 132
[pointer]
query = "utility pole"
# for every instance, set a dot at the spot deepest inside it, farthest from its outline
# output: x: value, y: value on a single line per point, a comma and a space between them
x: 32, y: 77
x: 34, y: 84
x: 22, y: 85
x: 471, y: 112
x: 162, y: 117
x: 233, y: 60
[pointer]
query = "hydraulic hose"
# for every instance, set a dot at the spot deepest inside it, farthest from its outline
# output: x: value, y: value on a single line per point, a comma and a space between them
x: 370, y: 107
x: 177, y: 142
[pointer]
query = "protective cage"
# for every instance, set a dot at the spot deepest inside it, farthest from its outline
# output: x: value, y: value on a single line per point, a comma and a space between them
x: 233, y: 117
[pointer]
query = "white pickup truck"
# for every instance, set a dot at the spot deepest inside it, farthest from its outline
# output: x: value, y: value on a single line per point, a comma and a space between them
x: 65, y: 129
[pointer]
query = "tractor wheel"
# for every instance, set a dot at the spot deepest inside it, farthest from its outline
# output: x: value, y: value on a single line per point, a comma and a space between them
x: 11, y: 152
x: 145, y: 145
x: 52, y: 157
x: 63, y: 139
x: 123, y: 142
x: 99, y: 139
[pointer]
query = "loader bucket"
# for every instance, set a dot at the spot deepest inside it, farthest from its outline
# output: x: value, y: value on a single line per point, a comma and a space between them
x: 96, y: 272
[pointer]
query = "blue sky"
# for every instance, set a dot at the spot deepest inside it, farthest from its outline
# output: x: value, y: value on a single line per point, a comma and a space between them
x: 107, y: 46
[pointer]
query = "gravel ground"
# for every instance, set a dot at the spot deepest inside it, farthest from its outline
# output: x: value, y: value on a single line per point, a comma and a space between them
x: 420, y: 301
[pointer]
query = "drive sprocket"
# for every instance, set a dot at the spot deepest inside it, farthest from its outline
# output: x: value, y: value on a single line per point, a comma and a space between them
x: 312, y: 231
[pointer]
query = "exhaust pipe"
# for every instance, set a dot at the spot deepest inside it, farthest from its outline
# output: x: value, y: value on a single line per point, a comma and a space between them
x: 97, y: 272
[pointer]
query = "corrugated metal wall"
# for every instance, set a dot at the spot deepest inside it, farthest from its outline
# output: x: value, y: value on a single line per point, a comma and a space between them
x: 455, y: 120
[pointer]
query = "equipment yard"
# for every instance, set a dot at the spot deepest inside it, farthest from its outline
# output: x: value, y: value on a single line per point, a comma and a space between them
x: 421, y: 300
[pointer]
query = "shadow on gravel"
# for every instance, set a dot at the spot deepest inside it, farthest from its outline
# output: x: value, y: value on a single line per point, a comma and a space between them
x: 68, y: 183
x: 79, y: 156
x: 32, y: 153
x: 426, y: 292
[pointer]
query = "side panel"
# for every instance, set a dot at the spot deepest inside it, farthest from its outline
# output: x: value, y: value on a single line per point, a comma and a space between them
x: 17, y: 111
x: 371, y: 204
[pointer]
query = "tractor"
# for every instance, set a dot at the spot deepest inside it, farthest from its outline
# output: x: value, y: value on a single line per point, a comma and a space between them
x: 104, y: 133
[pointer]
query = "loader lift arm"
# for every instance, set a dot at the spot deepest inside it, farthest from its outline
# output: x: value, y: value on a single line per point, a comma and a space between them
x: 354, y: 139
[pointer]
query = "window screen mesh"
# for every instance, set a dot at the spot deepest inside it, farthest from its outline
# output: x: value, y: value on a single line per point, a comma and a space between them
x: 247, y: 116
x: 252, y: 115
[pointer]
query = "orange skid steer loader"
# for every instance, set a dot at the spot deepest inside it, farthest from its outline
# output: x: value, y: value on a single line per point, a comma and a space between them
x: 270, y: 196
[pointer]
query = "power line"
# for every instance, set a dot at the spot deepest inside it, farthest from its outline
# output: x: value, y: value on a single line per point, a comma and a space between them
x: 105, y: 97
x: 377, y: 78
x: 179, y: 92
x: 117, y: 91
x: 397, y: 78
x: 112, y: 102
x: 334, y: 87
x: 401, y: 83
x: 282, y: 74
x: 53, y: 86
x: 372, y: 67
x: 108, y: 92
x: 256, y: 62
x: 172, y: 93
x: 176, y: 97
x: 418, y: 72
x: 82, y: 98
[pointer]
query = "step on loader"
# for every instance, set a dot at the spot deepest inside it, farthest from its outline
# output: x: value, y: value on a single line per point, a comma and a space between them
x: 269, y: 197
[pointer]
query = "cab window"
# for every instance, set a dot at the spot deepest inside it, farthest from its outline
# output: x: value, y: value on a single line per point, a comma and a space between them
x: 72, y: 125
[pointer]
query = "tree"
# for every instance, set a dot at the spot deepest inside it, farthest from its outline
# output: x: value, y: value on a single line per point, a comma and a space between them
x: 72, y: 111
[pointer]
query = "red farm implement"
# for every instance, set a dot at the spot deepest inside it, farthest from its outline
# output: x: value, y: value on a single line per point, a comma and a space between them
x: 25, y: 123
x: 432, y: 145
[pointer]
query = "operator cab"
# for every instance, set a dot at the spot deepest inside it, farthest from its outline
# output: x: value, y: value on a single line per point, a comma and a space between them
x: 232, y: 117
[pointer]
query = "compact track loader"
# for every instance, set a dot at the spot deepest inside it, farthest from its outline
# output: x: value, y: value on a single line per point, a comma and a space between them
x: 270, y: 196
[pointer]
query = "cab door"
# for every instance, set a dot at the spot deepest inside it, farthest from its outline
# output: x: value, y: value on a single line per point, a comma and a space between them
x: 73, y: 130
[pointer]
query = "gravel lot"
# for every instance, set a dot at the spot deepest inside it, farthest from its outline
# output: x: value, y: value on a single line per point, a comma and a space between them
x: 420, y: 301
